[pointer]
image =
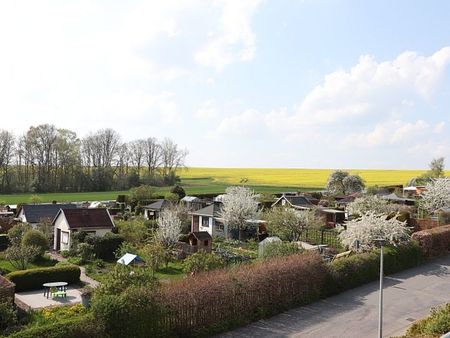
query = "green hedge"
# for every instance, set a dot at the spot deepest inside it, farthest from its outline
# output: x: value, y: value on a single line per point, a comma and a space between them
x: 350, y: 272
x: 33, y: 279
x: 434, y: 242
x: 70, y: 328
x: 106, y: 246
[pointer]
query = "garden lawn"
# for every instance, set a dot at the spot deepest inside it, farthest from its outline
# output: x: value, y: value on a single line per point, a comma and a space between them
x: 6, y: 267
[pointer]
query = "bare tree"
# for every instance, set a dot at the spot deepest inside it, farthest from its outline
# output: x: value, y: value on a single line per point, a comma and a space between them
x: 172, y: 158
x: 137, y: 153
x: 152, y: 151
x: 6, y: 155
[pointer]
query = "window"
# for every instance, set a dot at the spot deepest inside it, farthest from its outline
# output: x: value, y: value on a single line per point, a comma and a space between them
x: 206, y: 243
x: 205, y: 222
x: 64, y: 237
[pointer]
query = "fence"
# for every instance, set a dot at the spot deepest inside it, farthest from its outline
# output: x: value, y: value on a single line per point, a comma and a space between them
x: 328, y: 237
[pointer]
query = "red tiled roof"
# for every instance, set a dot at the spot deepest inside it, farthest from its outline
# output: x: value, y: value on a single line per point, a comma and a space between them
x: 88, y: 218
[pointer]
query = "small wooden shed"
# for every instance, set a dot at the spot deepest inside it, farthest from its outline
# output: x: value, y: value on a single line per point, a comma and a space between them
x: 200, y: 240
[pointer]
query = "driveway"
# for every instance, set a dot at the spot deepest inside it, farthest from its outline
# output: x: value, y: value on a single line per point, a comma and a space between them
x: 408, y: 296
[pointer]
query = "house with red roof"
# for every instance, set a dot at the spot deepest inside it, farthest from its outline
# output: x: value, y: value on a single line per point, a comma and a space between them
x: 97, y: 222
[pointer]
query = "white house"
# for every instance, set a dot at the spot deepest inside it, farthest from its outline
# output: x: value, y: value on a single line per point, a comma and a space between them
x: 207, y: 219
x: 97, y: 222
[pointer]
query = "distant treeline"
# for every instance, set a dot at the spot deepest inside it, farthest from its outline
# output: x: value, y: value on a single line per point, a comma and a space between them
x: 48, y: 159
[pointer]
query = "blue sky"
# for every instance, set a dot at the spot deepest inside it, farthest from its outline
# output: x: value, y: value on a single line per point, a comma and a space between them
x: 300, y: 84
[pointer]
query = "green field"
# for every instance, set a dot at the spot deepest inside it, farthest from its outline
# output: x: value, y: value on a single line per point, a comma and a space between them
x: 215, y: 180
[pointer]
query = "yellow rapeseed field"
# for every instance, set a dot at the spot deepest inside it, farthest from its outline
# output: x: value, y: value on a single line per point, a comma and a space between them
x: 311, y: 178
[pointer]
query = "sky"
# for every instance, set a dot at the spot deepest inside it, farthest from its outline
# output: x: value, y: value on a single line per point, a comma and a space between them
x: 254, y: 83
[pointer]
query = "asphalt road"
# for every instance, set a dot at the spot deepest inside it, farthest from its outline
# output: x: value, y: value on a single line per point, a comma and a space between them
x: 408, y: 296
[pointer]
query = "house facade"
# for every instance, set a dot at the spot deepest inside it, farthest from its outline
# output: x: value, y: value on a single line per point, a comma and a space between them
x: 96, y: 222
x: 153, y: 210
x: 208, y: 219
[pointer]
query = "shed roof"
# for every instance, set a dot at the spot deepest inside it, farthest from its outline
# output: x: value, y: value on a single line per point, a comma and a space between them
x: 129, y: 258
x: 158, y: 205
x: 211, y: 210
x: 190, y: 199
x: 87, y: 218
x: 34, y: 213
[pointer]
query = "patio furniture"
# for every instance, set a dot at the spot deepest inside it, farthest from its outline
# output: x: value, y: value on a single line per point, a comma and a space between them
x: 60, y: 287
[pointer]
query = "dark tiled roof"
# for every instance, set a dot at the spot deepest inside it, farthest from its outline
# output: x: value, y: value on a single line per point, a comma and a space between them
x: 211, y: 210
x: 158, y: 205
x: 88, y: 218
x: 201, y: 235
x: 34, y: 213
x: 298, y: 200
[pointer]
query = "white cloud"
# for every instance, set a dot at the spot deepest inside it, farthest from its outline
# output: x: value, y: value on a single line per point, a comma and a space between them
x: 233, y: 40
x: 208, y: 109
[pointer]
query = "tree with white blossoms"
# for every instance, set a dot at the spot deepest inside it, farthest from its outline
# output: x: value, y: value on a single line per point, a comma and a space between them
x: 341, y: 182
x: 436, y: 195
x: 169, y: 228
x: 371, y: 226
x: 364, y: 204
x: 239, y: 205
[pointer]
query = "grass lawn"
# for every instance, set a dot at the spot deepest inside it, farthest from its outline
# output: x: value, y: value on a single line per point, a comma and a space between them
x: 173, y: 271
x: 7, y: 267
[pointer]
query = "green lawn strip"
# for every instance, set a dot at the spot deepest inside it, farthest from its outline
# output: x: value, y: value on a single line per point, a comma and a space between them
x: 7, y: 267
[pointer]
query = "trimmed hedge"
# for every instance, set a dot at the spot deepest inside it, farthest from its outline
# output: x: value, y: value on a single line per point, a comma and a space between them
x: 32, y: 279
x: 350, y: 272
x: 70, y: 328
x: 106, y: 246
x: 434, y: 242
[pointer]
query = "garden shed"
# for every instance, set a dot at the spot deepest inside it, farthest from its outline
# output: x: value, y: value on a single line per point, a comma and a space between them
x: 200, y: 240
x: 268, y: 240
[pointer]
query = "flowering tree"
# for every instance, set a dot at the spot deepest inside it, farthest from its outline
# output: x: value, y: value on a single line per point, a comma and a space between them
x: 437, y: 195
x: 239, y: 205
x: 371, y: 226
x: 169, y: 228
x: 364, y: 204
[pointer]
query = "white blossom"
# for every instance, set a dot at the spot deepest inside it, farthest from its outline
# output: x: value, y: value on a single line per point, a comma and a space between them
x: 239, y: 205
x: 437, y: 195
x: 371, y: 226
x: 364, y: 204
x: 169, y: 227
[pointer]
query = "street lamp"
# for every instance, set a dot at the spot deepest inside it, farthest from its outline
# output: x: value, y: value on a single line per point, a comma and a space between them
x: 380, y: 242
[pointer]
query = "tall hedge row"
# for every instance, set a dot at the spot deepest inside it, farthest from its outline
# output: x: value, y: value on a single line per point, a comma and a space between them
x: 33, y: 279
x: 434, y: 242
x: 106, y: 246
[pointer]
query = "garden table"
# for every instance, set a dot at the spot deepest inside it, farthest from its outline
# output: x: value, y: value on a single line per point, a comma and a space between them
x: 59, y: 285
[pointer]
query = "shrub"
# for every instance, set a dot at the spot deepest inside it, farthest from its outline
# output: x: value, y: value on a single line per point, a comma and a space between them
x: 33, y: 279
x: 106, y: 246
x: 35, y: 238
x: 437, y: 323
x: 202, y: 261
x: 82, y: 326
x: 4, y: 242
x: 86, y: 252
x: 245, y: 293
x: 278, y: 249
x: 65, y: 253
x: 8, y: 316
x: 352, y: 271
x: 434, y: 242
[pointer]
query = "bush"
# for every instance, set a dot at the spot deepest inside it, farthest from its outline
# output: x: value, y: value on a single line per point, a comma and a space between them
x: 202, y: 261
x: 76, y: 327
x: 437, y: 323
x: 4, y: 242
x: 278, y: 249
x: 434, y: 242
x: 349, y: 272
x: 86, y: 252
x: 106, y: 246
x: 33, y: 279
x: 8, y: 316
x: 65, y: 253
x: 35, y: 238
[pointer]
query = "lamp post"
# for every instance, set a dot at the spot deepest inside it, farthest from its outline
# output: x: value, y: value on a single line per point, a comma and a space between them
x: 380, y: 242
